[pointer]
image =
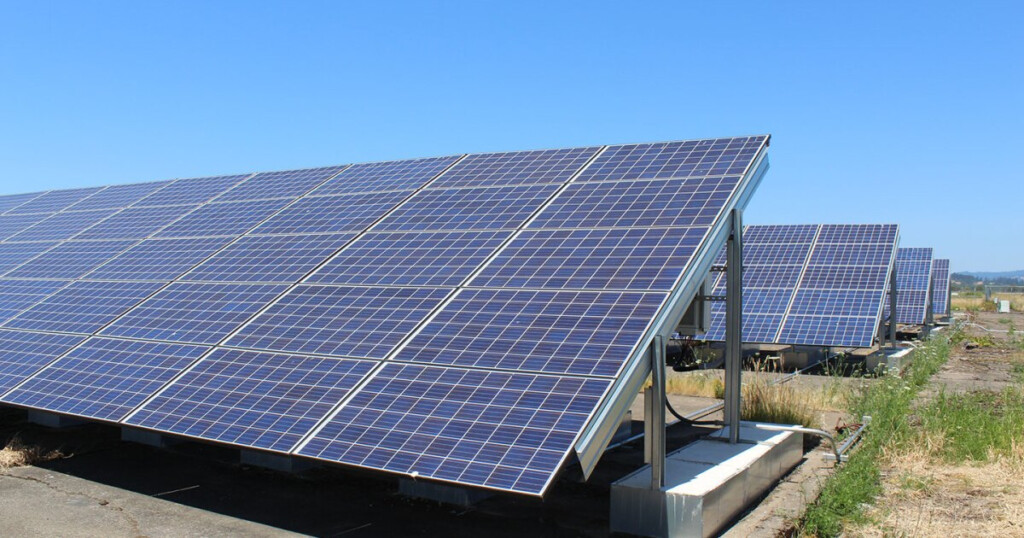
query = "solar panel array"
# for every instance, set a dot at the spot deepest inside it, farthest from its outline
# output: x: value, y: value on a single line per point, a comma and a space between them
x: 460, y: 318
x: 940, y: 286
x: 820, y: 285
x: 913, y: 285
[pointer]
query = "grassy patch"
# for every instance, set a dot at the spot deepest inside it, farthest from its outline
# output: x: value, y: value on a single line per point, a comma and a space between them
x: 857, y: 482
x: 976, y: 427
x: 779, y: 403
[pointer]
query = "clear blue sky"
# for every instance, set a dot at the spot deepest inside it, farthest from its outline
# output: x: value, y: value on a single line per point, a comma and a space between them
x: 879, y: 112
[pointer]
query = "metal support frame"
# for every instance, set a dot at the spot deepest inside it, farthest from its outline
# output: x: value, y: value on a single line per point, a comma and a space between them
x: 734, y: 325
x: 929, y: 313
x: 655, y: 444
x: 892, y: 307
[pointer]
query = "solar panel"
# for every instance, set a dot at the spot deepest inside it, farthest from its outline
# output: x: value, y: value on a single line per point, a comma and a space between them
x: 119, y: 196
x: 14, y: 254
x: 564, y: 332
x: 260, y: 400
x: 625, y: 259
x: 23, y: 353
x: 12, y: 201
x: 554, y: 166
x: 18, y: 295
x: 502, y: 430
x: 340, y: 320
x: 104, y: 378
x: 191, y: 191
x: 689, y: 159
x: 491, y: 208
x: 82, y: 307
x: 13, y: 224
x: 61, y: 225
x: 274, y: 258
x: 410, y: 258
x: 913, y: 281
x: 136, y: 222
x: 284, y: 184
x: 228, y: 218
x: 194, y: 313
x: 71, y: 259
x: 332, y: 214
x: 54, y: 201
x: 940, y: 287
x: 387, y: 176
x: 158, y: 259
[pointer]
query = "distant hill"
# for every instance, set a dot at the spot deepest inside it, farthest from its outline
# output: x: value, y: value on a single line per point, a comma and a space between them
x: 992, y: 275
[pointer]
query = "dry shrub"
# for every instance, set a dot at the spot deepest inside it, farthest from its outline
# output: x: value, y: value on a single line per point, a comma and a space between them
x: 778, y: 403
x: 17, y: 454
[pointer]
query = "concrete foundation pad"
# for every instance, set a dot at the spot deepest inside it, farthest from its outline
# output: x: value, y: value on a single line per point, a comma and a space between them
x: 442, y: 493
x: 146, y: 437
x: 53, y: 420
x: 275, y: 462
x: 890, y: 360
x: 707, y: 484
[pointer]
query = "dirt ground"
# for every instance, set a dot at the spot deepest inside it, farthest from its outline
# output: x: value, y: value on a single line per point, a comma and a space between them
x: 923, y: 497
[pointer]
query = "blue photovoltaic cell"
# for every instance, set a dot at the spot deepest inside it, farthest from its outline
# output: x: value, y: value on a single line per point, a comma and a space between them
x: 158, y: 259
x: 940, y: 286
x: 385, y: 176
x: 261, y: 400
x: 15, y: 254
x: 757, y: 328
x: 686, y: 159
x: 194, y: 313
x: 136, y: 222
x: 826, y: 331
x: 641, y: 204
x: 71, y: 259
x: 501, y: 430
x: 773, y: 234
x: 12, y: 201
x: 336, y: 320
x: 119, y: 196
x: 913, y: 282
x: 332, y: 214
x: 857, y: 233
x: 62, y: 225
x: 228, y: 218
x: 13, y: 224
x: 848, y: 277
x: 852, y: 254
x: 410, y: 259
x: 273, y: 258
x: 18, y: 295
x: 54, y: 201
x: 23, y: 353
x: 491, y: 208
x: 83, y: 307
x: 105, y: 378
x: 516, y: 168
x: 626, y: 259
x: 565, y: 332
x: 191, y: 191
x: 284, y: 184
x: 837, y: 302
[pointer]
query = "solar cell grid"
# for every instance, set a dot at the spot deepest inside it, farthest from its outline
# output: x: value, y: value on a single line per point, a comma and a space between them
x: 223, y: 218
x: 283, y: 184
x: 685, y: 159
x: 61, y: 226
x: 516, y: 168
x: 23, y: 353
x: 82, y: 307
x: 338, y: 320
x: 14, y: 224
x: 857, y: 233
x: 913, y: 280
x: 104, y: 378
x: 825, y: 331
x: 626, y: 259
x: 261, y: 400
x: 770, y: 234
x: 565, y: 332
x: 332, y: 214
x: 71, y: 259
x: 275, y: 258
x: 488, y: 208
x: 403, y: 175
x: 53, y: 201
x: 500, y: 430
x: 118, y: 196
x: 12, y: 201
x: 677, y: 202
x: 837, y: 302
x: 759, y: 328
x: 852, y: 254
x: 940, y: 283
x: 849, y: 278
x: 158, y: 259
x: 136, y: 222
x: 191, y: 191
x: 14, y: 254
x: 194, y: 313
x: 18, y: 295
x: 410, y: 259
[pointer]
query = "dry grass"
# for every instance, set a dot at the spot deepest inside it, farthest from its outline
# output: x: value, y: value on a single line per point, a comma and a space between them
x: 975, y: 303
x: 16, y: 454
x: 702, y: 384
x: 780, y: 403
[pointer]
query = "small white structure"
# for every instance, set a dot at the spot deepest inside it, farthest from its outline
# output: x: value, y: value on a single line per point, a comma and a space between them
x: 1004, y: 307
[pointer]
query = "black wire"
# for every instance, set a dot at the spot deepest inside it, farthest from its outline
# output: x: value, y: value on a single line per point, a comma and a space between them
x: 691, y: 422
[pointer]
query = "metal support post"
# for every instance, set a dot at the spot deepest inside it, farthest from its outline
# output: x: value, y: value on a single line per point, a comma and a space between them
x: 892, y: 308
x: 929, y: 313
x: 657, y: 420
x: 648, y: 425
x: 734, y: 326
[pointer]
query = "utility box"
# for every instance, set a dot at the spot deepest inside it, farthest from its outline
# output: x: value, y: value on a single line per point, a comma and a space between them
x: 697, y: 318
x: 1004, y: 307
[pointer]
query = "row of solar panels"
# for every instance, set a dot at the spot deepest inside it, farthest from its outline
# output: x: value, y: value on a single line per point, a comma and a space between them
x: 461, y: 318
x: 828, y: 284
